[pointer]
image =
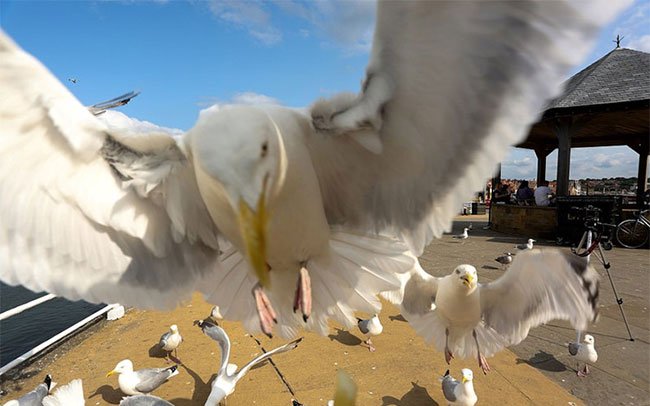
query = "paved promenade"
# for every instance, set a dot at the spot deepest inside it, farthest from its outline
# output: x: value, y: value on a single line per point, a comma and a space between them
x: 403, y: 370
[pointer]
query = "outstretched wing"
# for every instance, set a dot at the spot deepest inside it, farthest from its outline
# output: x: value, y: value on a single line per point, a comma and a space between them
x: 450, y: 85
x: 540, y: 286
x: 221, y: 337
x: 144, y: 400
x: 419, y: 292
x: 287, y: 347
x: 88, y: 211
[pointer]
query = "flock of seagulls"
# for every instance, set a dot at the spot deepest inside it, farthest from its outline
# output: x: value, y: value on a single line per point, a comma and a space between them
x: 287, y: 219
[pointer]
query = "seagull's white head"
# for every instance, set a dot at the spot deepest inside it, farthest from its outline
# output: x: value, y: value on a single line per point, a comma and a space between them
x: 173, y: 328
x: 589, y: 339
x: 242, y: 150
x: 466, y: 275
x: 531, y: 241
x: 468, y: 375
x: 122, y: 367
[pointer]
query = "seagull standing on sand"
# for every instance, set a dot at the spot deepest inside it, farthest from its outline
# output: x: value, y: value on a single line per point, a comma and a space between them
x: 224, y: 383
x: 36, y: 396
x: 170, y: 341
x: 459, y: 393
x: 90, y: 210
x: 527, y: 246
x: 71, y: 394
x: 477, y: 320
x: 462, y: 235
x: 584, y: 352
x: 143, y: 381
x: 505, y: 259
x: 370, y: 327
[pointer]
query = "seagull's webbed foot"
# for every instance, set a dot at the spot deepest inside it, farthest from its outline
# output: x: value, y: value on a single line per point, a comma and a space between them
x: 302, y: 299
x: 264, y: 311
x: 448, y: 355
x: 371, y: 348
x: 482, y: 362
x: 583, y: 372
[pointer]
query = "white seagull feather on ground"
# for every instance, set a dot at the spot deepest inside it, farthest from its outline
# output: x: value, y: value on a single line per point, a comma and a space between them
x: 228, y: 375
x: 470, y: 319
x: 459, y: 393
x: 142, y: 381
x: 90, y: 211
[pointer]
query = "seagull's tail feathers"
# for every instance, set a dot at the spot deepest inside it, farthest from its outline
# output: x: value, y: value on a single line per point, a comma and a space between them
x: 431, y: 326
x: 71, y: 394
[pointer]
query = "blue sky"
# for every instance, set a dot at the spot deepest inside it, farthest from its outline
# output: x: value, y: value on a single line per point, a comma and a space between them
x: 186, y: 55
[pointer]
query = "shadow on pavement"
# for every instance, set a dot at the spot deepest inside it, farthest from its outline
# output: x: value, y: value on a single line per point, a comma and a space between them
x: 417, y: 396
x: 344, y: 337
x: 545, y: 361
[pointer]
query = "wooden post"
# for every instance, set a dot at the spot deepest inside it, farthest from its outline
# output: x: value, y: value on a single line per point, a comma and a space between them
x: 563, y: 133
x: 541, y: 154
x: 643, y: 149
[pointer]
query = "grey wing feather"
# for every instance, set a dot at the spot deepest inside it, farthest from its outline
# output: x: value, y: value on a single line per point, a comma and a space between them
x: 573, y: 348
x: 144, y: 400
x: 100, y: 108
x: 540, y: 286
x: 261, y: 358
x: 35, y: 397
x: 152, y: 378
x: 164, y: 338
x: 448, y: 386
x: 363, y: 326
x: 221, y: 337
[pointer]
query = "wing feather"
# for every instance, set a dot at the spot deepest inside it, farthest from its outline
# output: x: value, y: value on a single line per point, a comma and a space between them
x: 449, y: 86
x: 540, y: 286
x: 88, y: 210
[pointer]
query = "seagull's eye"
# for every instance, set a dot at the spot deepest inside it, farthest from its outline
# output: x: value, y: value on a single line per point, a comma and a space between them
x: 458, y: 271
x: 265, y: 149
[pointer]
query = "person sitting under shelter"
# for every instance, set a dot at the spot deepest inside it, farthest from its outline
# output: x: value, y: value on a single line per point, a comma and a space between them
x: 543, y: 195
x: 525, y: 195
x: 502, y: 194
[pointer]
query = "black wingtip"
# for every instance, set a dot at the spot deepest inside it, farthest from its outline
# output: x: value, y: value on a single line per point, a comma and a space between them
x: 173, y: 368
x: 447, y: 373
x: 359, y: 320
x: 48, y: 381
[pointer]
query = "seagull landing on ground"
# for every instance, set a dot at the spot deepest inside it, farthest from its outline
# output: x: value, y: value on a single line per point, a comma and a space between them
x: 584, y: 352
x: 478, y: 320
x: 370, y: 327
x: 143, y: 381
x: 462, y: 235
x: 505, y: 259
x: 71, y: 394
x: 224, y: 383
x: 459, y: 393
x: 170, y: 341
x: 527, y: 246
x: 36, y: 396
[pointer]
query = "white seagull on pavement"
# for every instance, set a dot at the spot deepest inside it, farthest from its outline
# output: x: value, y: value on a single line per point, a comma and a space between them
x: 143, y: 381
x: 459, y: 393
x: 584, y: 352
x: 322, y: 198
x: 370, y: 327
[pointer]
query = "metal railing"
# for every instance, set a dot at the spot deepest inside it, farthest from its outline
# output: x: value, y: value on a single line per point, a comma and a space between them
x: 53, y: 340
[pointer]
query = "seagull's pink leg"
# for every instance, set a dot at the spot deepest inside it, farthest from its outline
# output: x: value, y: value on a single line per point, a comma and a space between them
x: 371, y: 348
x: 448, y: 355
x: 302, y: 299
x: 482, y: 362
x: 264, y: 310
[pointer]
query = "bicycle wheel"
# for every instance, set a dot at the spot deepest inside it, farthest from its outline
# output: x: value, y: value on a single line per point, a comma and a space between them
x: 632, y: 233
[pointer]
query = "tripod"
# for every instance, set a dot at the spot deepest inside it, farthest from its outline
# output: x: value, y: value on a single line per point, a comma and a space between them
x: 592, y: 239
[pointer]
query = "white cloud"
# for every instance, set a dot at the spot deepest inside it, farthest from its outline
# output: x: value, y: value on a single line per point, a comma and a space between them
x: 253, y: 98
x: 635, y: 27
x: 118, y: 120
x: 252, y: 16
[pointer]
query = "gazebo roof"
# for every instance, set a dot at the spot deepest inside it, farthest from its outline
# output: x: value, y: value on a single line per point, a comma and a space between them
x: 608, y: 103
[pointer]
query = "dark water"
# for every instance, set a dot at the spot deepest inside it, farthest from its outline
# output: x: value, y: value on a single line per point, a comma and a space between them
x: 24, y: 331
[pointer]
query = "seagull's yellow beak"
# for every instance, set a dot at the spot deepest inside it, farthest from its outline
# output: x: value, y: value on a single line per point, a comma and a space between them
x: 253, y: 230
x: 468, y: 279
x: 113, y: 372
x: 464, y: 379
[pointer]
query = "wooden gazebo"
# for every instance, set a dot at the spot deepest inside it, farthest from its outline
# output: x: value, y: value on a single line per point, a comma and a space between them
x: 605, y: 104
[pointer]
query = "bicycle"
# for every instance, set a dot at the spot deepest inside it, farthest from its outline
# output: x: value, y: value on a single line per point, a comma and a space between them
x: 634, y: 233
